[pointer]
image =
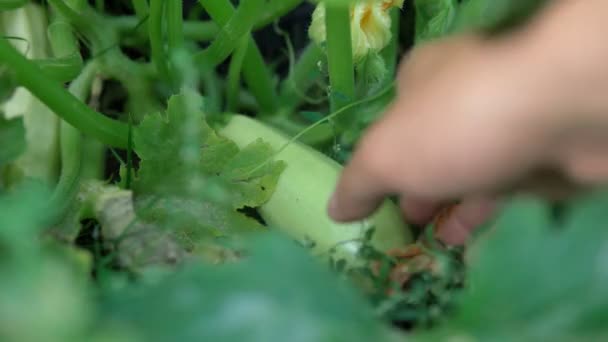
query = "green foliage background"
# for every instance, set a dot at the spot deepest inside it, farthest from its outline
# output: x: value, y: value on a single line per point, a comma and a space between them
x: 533, y: 275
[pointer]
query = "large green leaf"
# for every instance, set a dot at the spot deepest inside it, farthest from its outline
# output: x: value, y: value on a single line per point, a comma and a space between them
x: 537, y: 278
x: 38, y: 280
x: 279, y: 293
x: 193, y: 181
x: 182, y: 156
x: 12, y: 139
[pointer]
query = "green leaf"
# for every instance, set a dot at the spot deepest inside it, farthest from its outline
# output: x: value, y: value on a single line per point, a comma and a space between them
x: 440, y: 18
x: 12, y: 139
x: 17, y: 224
x: 192, y: 180
x: 192, y: 221
x: 495, y: 16
x: 261, y: 298
x: 136, y: 243
x: 251, y: 184
x: 434, y: 18
x: 38, y: 275
x: 537, y: 278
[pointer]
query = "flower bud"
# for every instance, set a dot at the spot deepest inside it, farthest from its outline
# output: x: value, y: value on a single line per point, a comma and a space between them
x: 370, y: 25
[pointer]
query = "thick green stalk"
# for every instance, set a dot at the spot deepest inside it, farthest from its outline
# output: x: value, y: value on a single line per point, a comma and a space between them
x: 112, y: 61
x: 255, y: 72
x: 80, y: 22
x: 60, y: 101
x: 63, y: 69
x: 67, y: 61
x: 155, y: 31
x: 212, y: 88
x: 71, y: 146
x: 12, y: 4
x: 230, y: 36
x: 90, y: 166
x: 63, y: 43
x: 193, y: 30
x: 175, y: 35
x: 219, y: 10
x: 339, y: 58
x: 259, y: 80
x: 234, y: 71
x: 142, y: 10
x: 175, y: 24
x: 274, y: 10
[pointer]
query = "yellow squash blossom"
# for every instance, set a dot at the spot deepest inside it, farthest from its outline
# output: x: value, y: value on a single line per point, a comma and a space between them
x: 370, y: 25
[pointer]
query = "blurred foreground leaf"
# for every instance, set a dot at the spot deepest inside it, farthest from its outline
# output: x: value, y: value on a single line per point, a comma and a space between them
x: 537, y: 278
x: 12, y: 139
x: 278, y: 293
x: 43, y: 293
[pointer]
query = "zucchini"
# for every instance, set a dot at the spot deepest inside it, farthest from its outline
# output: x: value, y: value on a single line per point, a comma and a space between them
x: 298, y: 204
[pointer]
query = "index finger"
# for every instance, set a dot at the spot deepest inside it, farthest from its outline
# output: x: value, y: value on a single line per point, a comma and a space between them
x: 359, y: 192
x: 368, y: 178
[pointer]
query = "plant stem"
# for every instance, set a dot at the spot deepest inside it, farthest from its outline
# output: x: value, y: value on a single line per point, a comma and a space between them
x: 62, y: 69
x: 339, y: 58
x: 72, y: 152
x: 71, y: 147
x: 256, y: 74
x: 79, y: 21
x: 155, y: 31
x: 175, y: 24
x: 12, y: 4
x: 60, y: 101
x: 230, y: 36
x: 212, y: 88
x: 234, y: 71
x: 193, y: 30
x: 219, y: 10
x: 65, y: 48
x: 175, y: 36
x: 303, y: 75
x: 274, y: 10
x: 142, y: 10
x: 63, y: 43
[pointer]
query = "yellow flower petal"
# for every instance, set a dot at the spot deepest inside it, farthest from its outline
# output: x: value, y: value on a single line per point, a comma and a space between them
x: 370, y: 25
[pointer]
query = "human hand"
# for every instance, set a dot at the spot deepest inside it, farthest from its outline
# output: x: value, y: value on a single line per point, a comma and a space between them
x: 476, y: 117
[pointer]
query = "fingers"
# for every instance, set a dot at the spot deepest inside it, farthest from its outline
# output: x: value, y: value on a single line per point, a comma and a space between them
x: 380, y: 162
x: 452, y: 134
x: 377, y: 167
x: 459, y: 223
x: 362, y: 187
x: 418, y: 212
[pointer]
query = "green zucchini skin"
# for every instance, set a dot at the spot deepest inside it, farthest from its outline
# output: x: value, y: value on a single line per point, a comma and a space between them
x: 298, y: 205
